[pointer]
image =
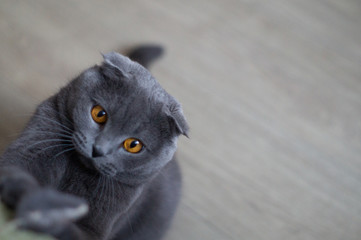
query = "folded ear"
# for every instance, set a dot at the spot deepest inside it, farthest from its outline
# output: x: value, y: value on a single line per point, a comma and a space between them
x: 176, y: 118
x: 116, y: 63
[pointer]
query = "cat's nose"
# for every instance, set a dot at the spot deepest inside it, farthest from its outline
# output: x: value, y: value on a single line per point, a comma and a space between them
x: 97, y: 152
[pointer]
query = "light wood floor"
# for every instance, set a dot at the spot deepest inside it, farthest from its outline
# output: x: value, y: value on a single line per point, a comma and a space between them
x: 271, y: 89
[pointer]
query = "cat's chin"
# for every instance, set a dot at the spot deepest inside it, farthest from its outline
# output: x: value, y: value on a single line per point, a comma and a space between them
x: 125, y: 177
x: 104, y: 169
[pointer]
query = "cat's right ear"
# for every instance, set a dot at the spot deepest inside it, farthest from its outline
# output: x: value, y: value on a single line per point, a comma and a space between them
x: 115, y: 65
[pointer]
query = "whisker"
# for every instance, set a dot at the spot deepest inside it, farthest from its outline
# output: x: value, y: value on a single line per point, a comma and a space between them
x: 47, y: 140
x: 31, y: 115
x: 56, y: 122
x: 113, y: 194
x: 59, y: 129
x: 66, y: 150
x: 59, y: 113
x: 126, y: 213
x: 106, y: 206
x: 57, y: 145
x: 97, y: 187
x: 53, y: 129
x: 109, y: 195
x: 52, y: 146
x: 161, y: 173
x: 61, y: 133
x: 55, y: 133
x: 101, y: 192
x: 106, y: 194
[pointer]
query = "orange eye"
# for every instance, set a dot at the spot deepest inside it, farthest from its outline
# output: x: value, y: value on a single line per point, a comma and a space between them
x: 133, y: 145
x: 99, y: 115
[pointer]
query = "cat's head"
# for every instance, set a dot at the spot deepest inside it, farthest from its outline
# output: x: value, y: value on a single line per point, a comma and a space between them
x: 125, y: 124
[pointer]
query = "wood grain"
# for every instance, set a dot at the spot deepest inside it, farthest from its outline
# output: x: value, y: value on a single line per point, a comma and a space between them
x: 271, y: 89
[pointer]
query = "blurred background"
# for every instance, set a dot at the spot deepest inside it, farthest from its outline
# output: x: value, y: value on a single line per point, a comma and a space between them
x: 271, y: 90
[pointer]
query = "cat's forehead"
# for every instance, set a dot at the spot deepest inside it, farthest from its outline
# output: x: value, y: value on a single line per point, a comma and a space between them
x: 136, y: 91
x: 125, y: 98
x: 133, y: 87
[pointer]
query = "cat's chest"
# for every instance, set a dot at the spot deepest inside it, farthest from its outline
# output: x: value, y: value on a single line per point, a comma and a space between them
x: 102, y: 193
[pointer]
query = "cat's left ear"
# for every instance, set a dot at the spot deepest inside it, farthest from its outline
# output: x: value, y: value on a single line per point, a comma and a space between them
x: 176, y: 118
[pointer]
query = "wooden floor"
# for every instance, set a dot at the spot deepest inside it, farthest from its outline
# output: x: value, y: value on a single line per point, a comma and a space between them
x: 271, y: 89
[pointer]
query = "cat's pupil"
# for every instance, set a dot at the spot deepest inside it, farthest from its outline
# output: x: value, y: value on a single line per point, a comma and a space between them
x: 134, y: 144
x: 101, y: 114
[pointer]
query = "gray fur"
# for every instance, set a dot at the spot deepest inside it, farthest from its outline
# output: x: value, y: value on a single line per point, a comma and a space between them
x: 130, y: 196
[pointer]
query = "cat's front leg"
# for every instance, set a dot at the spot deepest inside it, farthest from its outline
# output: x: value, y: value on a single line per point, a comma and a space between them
x: 14, y: 184
x: 41, y: 209
x: 52, y: 212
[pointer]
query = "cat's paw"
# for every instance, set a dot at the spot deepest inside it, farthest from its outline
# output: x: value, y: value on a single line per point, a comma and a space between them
x: 14, y: 186
x: 50, y: 211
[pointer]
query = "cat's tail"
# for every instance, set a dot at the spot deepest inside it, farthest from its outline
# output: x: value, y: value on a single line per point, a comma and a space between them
x: 146, y: 54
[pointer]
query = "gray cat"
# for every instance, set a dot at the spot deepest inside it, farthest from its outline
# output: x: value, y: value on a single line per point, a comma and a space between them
x: 96, y: 160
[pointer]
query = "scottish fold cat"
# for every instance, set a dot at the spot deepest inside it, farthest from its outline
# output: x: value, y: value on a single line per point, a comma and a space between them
x: 96, y: 160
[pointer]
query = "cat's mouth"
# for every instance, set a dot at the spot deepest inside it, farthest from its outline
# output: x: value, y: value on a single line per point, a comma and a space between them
x: 98, y: 165
x: 107, y: 169
x: 86, y: 161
